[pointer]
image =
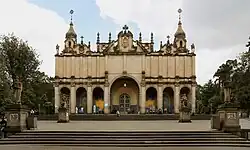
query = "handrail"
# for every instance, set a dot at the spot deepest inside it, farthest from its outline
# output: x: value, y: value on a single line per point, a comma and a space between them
x: 245, y: 134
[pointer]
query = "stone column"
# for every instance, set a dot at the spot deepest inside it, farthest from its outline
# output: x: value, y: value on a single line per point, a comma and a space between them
x: 193, y: 98
x: 106, y: 100
x: 57, y: 97
x: 177, y: 98
x: 159, y: 97
x: 89, y: 99
x: 143, y: 99
x: 73, y: 98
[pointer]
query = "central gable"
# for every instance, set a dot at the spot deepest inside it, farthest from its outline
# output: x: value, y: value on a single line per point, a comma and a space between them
x: 125, y: 44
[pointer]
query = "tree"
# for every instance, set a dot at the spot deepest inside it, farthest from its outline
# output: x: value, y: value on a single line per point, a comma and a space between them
x: 19, y: 60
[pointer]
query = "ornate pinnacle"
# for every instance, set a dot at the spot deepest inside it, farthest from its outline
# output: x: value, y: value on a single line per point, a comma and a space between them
x: 109, y: 37
x: 168, y: 42
x: 81, y: 39
x: 152, y: 37
x: 140, y: 39
x: 98, y: 38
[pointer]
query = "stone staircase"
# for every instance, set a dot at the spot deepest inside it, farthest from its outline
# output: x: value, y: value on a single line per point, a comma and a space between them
x: 126, y: 139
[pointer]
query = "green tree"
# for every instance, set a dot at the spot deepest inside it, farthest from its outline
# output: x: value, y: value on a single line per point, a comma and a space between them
x: 19, y: 60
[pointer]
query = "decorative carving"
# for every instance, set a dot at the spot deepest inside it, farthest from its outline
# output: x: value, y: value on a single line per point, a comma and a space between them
x: 125, y: 42
x: 231, y: 116
x: 14, y: 117
x: 124, y: 72
x: 73, y: 84
x: 56, y: 84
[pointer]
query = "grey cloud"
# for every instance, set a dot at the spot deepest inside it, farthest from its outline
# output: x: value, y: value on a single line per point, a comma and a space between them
x: 217, y: 24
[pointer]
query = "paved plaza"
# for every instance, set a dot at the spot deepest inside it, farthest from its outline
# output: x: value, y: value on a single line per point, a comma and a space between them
x: 163, y: 125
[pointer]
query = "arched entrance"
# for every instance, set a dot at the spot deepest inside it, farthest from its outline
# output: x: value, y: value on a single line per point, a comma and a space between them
x: 65, y: 97
x: 81, y: 100
x: 98, y: 100
x: 168, y: 100
x: 151, y: 100
x: 124, y: 95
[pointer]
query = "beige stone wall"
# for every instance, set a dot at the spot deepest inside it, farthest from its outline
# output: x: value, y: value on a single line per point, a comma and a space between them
x: 95, y: 66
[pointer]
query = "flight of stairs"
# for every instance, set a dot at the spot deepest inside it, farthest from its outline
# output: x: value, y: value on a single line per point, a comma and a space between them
x: 126, y: 138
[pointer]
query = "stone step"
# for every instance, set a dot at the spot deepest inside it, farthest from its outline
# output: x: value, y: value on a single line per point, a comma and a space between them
x: 148, y: 145
x: 125, y: 136
x: 119, y: 139
x: 95, y: 142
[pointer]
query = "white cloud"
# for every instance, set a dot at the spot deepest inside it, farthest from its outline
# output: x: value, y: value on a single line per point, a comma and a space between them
x: 214, y: 44
x: 42, y: 28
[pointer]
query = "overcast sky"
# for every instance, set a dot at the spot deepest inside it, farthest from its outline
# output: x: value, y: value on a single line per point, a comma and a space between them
x: 219, y: 28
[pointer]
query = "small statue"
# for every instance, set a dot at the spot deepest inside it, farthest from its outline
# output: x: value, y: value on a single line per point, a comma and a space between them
x: 193, y: 48
x: 57, y: 49
x: 184, y: 100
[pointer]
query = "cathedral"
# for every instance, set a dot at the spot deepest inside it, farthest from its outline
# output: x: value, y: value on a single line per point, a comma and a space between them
x: 124, y: 74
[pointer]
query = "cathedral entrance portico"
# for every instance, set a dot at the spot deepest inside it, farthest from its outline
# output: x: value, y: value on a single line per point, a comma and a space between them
x: 124, y: 95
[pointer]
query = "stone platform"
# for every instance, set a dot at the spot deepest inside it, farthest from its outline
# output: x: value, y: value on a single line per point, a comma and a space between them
x: 155, y: 125
x: 127, y: 117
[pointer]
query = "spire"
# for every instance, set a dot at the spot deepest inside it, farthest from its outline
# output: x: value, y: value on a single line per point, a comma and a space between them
x: 180, y: 31
x: 71, y: 32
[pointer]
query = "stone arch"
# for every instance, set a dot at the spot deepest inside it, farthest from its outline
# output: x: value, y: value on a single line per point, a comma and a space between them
x: 151, y: 99
x: 98, y: 100
x: 168, y: 100
x: 65, y: 97
x: 124, y: 76
x: 81, y: 100
x: 124, y: 85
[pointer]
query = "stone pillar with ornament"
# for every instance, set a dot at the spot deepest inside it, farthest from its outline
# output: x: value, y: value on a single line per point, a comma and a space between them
x: 228, y: 112
x: 185, y: 109
x: 63, y: 115
x: 16, y: 113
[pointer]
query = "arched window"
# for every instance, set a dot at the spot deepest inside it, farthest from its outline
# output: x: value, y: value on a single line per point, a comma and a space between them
x: 181, y: 44
x: 69, y: 43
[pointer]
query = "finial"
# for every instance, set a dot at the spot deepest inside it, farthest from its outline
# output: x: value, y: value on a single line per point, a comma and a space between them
x: 168, y: 42
x: 140, y: 39
x: 82, y: 40
x: 109, y: 37
x: 98, y: 38
x: 71, y: 16
x: 57, y: 49
x: 125, y: 28
x: 152, y: 37
x: 160, y: 44
x: 89, y: 45
x: 179, y: 11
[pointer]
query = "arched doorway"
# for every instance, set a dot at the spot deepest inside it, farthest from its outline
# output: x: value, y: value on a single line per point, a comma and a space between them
x: 124, y: 95
x: 185, y: 92
x: 98, y: 100
x: 168, y: 100
x: 81, y: 100
x: 65, y: 97
x: 151, y: 99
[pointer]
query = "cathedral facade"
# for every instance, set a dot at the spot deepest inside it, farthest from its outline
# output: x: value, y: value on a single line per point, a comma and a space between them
x: 125, y: 74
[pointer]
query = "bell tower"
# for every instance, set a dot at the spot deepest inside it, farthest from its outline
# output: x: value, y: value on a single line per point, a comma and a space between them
x: 71, y: 36
x: 180, y: 41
